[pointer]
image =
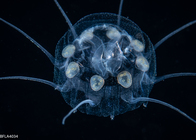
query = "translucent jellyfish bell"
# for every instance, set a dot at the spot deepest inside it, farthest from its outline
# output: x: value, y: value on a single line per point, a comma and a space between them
x: 124, y: 78
x: 72, y: 69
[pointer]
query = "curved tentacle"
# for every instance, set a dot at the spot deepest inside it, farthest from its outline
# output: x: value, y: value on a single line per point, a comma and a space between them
x: 87, y: 101
x: 141, y: 99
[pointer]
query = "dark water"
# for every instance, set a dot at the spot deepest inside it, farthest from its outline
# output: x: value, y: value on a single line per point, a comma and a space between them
x: 33, y: 110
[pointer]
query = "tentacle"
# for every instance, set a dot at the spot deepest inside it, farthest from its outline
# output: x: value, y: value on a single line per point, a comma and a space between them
x: 142, y: 99
x: 173, y: 33
x: 119, y: 12
x: 161, y: 78
x: 32, y: 79
x: 51, y: 58
x: 75, y: 108
x: 67, y: 19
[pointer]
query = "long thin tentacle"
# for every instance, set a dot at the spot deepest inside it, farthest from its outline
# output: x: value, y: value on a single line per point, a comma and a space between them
x: 67, y: 19
x: 87, y: 101
x: 161, y: 78
x: 141, y: 99
x: 32, y: 79
x: 119, y: 12
x: 173, y: 33
x: 51, y: 58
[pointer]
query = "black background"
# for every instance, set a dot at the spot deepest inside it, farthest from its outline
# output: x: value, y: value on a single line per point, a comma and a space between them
x: 33, y: 110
